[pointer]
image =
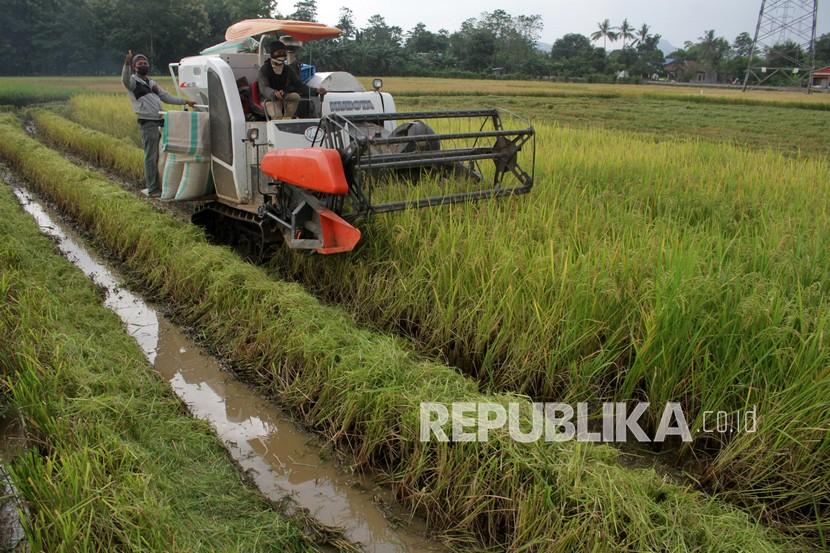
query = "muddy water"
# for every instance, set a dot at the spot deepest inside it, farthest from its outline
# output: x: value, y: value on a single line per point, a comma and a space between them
x: 12, y: 444
x: 12, y: 437
x: 282, y: 460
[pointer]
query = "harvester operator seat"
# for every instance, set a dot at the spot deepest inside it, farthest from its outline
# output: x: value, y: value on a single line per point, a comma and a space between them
x: 257, y: 107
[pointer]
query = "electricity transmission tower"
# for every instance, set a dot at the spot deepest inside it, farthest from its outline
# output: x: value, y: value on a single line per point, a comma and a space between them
x: 784, y: 44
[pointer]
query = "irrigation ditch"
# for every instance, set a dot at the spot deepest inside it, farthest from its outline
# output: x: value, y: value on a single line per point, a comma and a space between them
x: 13, y: 510
x: 290, y: 467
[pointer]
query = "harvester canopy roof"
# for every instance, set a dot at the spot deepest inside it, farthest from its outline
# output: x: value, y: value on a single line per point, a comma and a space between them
x: 301, y: 30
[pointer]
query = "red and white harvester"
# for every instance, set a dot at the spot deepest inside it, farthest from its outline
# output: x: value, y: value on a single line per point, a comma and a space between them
x: 307, y: 182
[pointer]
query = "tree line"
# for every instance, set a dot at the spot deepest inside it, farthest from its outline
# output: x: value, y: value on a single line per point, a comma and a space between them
x: 89, y: 37
x: 727, y: 62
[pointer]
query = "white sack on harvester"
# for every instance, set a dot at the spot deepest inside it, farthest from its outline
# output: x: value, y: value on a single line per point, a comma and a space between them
x: 186, y: 132
x: 186, y: 150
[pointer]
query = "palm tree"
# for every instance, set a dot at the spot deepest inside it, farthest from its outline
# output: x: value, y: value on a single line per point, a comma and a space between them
x: 626, y: 32
x: 642, y: 34
x: 708, y: 42
x: 605, y: 31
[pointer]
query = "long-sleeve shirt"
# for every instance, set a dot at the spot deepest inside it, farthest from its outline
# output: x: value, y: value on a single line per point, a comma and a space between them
x: 287, y: 81
x: 146, y: 95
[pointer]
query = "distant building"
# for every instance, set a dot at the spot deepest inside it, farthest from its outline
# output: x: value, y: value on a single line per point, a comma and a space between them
x: 690, y: 71
x: 821, y: 77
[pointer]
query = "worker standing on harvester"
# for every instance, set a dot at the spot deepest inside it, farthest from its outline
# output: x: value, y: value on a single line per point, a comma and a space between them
x: 146, y: 97
x: 292, y: 47
x: 280, y: 86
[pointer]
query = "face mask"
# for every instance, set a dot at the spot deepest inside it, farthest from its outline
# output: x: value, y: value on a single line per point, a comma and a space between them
x: 142, y: 70
x: 278, y: 61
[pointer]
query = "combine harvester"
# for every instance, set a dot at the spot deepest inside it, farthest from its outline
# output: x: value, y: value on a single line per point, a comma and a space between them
x: 306, y: 182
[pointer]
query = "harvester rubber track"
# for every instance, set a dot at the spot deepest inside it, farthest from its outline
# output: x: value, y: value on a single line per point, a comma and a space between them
x: 248, y: 233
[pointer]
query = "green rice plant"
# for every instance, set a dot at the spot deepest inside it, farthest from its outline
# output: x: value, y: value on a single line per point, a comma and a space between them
x: 439, y: 87
x: 16, y: 93
x: 799, y: 132
x: 115, y: 463
x: 575, y: 93
x: 94, y: 84
x: 363, y: 390
x: 684, y: 272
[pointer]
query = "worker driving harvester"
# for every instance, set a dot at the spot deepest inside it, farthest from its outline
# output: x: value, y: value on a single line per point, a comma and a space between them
x: 280, y: 86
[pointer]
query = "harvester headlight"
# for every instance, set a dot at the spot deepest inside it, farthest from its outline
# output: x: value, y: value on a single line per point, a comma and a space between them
x: 377, y: 84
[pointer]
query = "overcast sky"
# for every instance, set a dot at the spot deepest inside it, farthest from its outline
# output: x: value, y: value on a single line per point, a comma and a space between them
x: 677, y: 20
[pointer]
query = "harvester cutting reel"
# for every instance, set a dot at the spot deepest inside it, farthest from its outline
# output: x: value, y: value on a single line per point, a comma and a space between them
x: 372, y: 159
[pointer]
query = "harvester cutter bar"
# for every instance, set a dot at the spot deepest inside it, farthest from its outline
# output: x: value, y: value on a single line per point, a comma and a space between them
x: 436, y: 201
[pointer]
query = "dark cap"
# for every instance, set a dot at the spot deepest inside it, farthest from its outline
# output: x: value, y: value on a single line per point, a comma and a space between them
x: 136, y: 57
x: 277, y: 45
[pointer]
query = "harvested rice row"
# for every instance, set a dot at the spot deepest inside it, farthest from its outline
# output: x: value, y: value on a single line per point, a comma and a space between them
x: 98, y: 147
x: 114, y: 463
x: 106, y: 113
x: 675, y: 272
x: 119, y: 155
x: 363, y: 390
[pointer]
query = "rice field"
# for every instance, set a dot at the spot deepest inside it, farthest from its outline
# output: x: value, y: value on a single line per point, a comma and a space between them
x: 362, y: 389
x: 405, y: 86
x: 624, y: 276
x: 688, y: 269
x: 418, y: 86
x: 795, y: 132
